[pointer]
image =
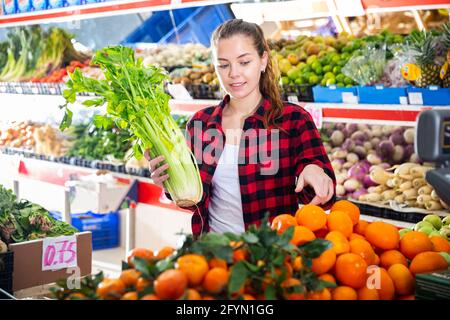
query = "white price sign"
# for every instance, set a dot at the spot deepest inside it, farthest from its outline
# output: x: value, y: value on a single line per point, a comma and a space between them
x: 316, y: 114
x: 59, y: 253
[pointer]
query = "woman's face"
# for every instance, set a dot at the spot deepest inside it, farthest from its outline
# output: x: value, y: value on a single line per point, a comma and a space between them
x: 238, y: 65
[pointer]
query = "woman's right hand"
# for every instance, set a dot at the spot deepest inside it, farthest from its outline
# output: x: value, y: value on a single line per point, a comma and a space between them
x: 157, y: 169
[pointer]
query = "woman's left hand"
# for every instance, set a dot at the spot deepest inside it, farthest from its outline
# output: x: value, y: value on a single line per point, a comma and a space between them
x: 322, y: 184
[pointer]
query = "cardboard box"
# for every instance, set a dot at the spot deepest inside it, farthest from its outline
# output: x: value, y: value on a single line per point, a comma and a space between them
x: 28, y: 262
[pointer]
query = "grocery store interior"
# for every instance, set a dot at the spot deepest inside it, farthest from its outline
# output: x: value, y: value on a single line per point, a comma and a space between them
x: 373, y: 75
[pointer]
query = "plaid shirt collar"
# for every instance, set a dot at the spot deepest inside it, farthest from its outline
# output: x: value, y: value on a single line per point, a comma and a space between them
x: 216, y: 116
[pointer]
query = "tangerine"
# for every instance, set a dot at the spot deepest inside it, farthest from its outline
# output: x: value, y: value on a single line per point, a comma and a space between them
x: 402, y: 278
x: 302, y: 235
x: 324, y: 262
x: 364, y: 249
x: 312, y: 217
x: 215, y: 280
x: 340, y: 221
x: 340, y: 242
x: 390, y: 257
x: 415, y: 242
x: 382, y: 235
x: 170, y: 284
x: 344, y: 293
x: 282, y: 222
x: 351, y: 270
x: 194, y: 266
x: 428, y: 261
x: 349, y: 208
x: 440, y: 244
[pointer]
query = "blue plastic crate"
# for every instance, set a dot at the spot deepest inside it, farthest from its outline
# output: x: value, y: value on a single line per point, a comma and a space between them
x: 157, y: 26
x: 382, y: 95
x: 199, y: 26
x: 9, y: 6
x: 104, y: 227
x: 334, y: 94
x: 431, y: 96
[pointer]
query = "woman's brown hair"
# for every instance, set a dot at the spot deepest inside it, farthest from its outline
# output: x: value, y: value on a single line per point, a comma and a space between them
x: 268, y: 82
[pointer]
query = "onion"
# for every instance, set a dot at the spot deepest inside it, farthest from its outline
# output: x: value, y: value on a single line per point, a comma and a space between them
x: 351, y: 185
x: 385, y: 149
x: 367, y: 182
x: 408, y: 135
x: 337, y: 137
x: 358, y: 193
x: 358, y: 171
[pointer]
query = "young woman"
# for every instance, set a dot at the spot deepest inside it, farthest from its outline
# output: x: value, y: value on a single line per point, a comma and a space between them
x: 232, y: 142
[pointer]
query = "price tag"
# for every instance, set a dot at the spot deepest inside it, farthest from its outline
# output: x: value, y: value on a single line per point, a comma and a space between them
x: 316, y: 114
x: 415, y: 98
x: 349, y: 97
x: 444, y: 70
x: 292, y: 98
x: 35, y: 90
x: 59, y: 253
x: 179, y: 92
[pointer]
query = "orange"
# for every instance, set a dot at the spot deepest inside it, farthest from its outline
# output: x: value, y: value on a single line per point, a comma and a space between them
x: 130, y: 277
x: 440, y: 244
x: 248, y: 297
x: 340, y: 242
x: 340, y: 221
x: 150, y: 297
x: 355, y: 236
x: 415, y: 242
x: 387, y: 289
x: 312, y: 217
x: 364, y: 249
x: 344, y: 293
x: 192, y: 294
x: 208, y: 297
x: 324, y: 294
x: 351, y: 270
x: 365, y: 293
x: 324, y: 262
x: 288, y: 285
x: 194, y: 266
x: 239, y: 254
x: 302, y: 235
x: 402, y: 278
x: 75, y: 296
x: 428, y: 261
x: 110, y: 288
x: 376, y: 260
x: 410, y: 297
x: 132, y: 295
x: 142, y: 284
x: 141, y: 253
x: 215, y: 280
x: 217, y: 263
x: 327, y: 277
x: 390, y: 257
x: 360, y: 227
x: 170, y: 284
x: 349, y: 208
x: 382, y: 235
x: 297, y: 264
x: 164, y: 252
x: 282, y: 222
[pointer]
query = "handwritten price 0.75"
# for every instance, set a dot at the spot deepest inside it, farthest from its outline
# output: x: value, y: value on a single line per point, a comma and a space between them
x: 65, y: 252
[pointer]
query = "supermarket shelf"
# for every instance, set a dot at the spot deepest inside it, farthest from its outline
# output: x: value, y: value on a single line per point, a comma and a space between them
x: 333, y: 112
x: 42, y: 169
x: 97, y: 10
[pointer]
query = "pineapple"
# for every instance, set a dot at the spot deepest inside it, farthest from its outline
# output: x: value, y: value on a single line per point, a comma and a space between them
x: 446, y: 35
x: 424, y: 47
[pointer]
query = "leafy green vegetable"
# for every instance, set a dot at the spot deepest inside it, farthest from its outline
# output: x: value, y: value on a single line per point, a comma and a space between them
x: 135, y: 100
x: 22, y: 221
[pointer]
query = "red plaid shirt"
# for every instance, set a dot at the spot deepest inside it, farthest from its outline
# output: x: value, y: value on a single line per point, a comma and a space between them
x: 275, y: 192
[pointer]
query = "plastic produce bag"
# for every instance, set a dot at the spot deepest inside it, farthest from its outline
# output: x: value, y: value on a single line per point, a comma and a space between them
x: 392, y: 75
x: 367, y: 67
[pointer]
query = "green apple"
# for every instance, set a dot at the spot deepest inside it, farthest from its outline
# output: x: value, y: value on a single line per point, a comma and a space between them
x: 402, y: 232
x: 422, y: 224
x: 427, y: 230
x: 445, y: 232
x: 435, y: 233
x: 435, y: 220
x: 446, y: 221
x: 446, y: 256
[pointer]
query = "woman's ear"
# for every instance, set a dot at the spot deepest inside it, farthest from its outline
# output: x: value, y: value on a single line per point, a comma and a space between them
x: 264, y: 60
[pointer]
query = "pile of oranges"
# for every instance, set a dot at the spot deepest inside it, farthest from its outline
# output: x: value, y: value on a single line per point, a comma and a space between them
x: 368, y: 261
x: 360, y: 261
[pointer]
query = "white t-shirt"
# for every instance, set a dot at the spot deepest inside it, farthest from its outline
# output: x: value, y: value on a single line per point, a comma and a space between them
x: 225, y: 206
